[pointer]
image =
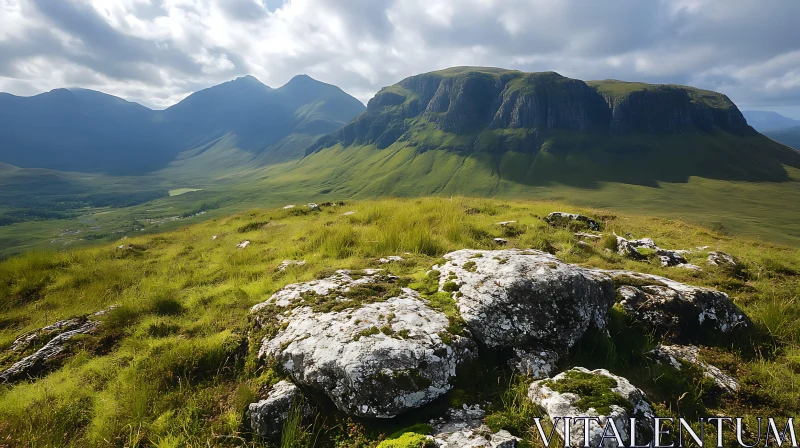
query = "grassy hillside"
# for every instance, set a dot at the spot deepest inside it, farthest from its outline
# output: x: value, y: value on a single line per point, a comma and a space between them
x: 169, y: 368
x: 789, y: 137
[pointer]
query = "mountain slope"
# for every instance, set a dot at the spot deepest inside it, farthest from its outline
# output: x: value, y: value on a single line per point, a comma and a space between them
x: 789, y: 136
x: 535, y: 128
x: 764, y: 121
x: 88, y: 131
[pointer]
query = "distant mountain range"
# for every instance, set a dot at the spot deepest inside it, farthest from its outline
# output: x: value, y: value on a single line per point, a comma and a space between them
x: 534, y: 128
x: 88, y: 131
x: 764, y: 121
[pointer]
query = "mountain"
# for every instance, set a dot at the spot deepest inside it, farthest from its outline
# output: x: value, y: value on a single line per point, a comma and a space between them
x: 535, y: 128
x: 88, y: 131
x: 764, y: 121
x: 789, y: 136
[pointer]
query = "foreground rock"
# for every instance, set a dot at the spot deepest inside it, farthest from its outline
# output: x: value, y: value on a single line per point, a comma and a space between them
x: 639, y: 250
x: 268, y: 416
x: 464, y: 428
x: 375, y: 349
x: 676, y: 311
x: 610, y: 399
x: 515, y: 298
x: 676, y: 355
x: 59, y: 338
x: 561, y: 219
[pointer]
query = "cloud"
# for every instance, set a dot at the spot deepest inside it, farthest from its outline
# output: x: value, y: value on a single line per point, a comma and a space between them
x: 158, y: 51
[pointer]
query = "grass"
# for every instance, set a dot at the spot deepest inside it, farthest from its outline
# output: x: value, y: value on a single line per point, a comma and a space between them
x: 174, y: 368
x: 180, y: 191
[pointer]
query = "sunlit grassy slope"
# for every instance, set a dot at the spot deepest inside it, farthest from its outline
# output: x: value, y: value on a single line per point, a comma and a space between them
x: 169, y: 369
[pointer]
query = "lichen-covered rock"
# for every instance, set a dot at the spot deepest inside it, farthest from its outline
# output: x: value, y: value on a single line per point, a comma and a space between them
x: 313, y: 207
x: 243, y: 244
x: 673, y: 355
x: 722, y: 259
x: 579, y: 393
x: 375, y: 349
x: 390, y: 259
x: 515, y: 298
x: 676, y: 311
x: 535, y: 364
x: 268, y: 416
x: 58, y: 337
x: 563, y: 219
x: 287, y: 263
x: 638, y: 250
x: 480, y: 437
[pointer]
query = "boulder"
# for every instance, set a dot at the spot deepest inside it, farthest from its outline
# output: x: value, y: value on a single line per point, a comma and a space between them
x: 515, y: 298
x: 637, y: 250
x: 463, y: 427
x: 580, y: 393
x: 562, y: 219
x: 676, y: 311
x: 722, y: 259
x: 390, y: 259
x: 589, y: 236
x: 286, y: 263
x: 289, y: 207
x: 674, y: 355
x: 377, y: 350
x: 243, y: 244
x: 313, y: 207
x: 268, y: 416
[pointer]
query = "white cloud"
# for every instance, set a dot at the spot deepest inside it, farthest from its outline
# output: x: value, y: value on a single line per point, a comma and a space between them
x: 158, y: 51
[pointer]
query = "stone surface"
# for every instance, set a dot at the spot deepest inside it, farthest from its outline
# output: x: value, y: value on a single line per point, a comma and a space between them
x: 348, y: 213
x: 557, y: 404
x: 58, y: 335
x: 268, y: 416
x: 561, y: 219
x: 285, y: 264
x: 501, y: 241
x: 630, y: 248
x: 374, y: 359
x: 243, y: 244
x: 515, y: 298
x: 506, y: 223
x: 288, y: 207
x: 673, y: 354
x: 722, y: 259
x: 676, y: 311
x: 390, y: 259
x: 535, y: 364
x: 313, y: 207
x: 589, y: 236
x: 480, y: 437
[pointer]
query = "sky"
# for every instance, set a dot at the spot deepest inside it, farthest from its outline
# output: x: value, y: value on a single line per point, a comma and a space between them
x: 156, y: 52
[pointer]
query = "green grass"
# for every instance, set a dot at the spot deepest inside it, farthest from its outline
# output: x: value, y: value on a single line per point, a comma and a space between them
x: 180, y: 191
x: 171, y: 367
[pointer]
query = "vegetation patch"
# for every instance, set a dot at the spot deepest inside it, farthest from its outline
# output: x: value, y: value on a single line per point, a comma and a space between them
x: 595, y: 391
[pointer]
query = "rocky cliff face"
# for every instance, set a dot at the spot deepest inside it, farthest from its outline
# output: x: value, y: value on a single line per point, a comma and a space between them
x: 465, y: 101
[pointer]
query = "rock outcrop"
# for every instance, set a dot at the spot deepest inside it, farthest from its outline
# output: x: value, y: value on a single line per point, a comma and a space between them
x: 640, y: 249
x: 723, y: 260
x: 268, y: 416
x: 514, y: 298
x: 674, y: 355
x: 598, y: 394
x: 676, y: 311
x: 375, y: 349
x: 463, y: 427
x: 562, y: 219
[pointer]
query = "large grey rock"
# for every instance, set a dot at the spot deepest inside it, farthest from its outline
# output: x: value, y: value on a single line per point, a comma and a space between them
x: 562, y: 219
x: 58, y: 336
x: 373, y: 358
x: 676, y: 311
x: 516, y: 298
x: 673, y: 355
x: 268, y: 416
x: 628, y: 402
x: 630, y: 249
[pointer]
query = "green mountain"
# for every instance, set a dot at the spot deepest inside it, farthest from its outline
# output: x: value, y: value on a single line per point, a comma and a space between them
x: 789, y: 136
x: 764, y: 121
x: 536, y: 128
x: 91, y: 132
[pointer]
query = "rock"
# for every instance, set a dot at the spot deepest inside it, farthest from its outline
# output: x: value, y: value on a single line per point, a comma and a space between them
x: 268, y: 416
x: 456, y: 419
x: 286, y: 263
x: 390, y: 259
x: 288, y: 207
x: 561, y: 219
x: 243, y: 244
x: 348, y: 213
x: 674, y: 354
x: 373, y: 355
x: 501, y: 241
x: 590, y: 236
x: 534, y: 364
x: 506, y: 223
x: 213, y: 237
x: 676, y: 311
x: 313, y: 207
x: 580, y: 393
x: 722, y: 259
x: 690, y: 267
x: 515, y: 298
x: 631, y: 249
x: 58, y: 335
x: 480, y: 437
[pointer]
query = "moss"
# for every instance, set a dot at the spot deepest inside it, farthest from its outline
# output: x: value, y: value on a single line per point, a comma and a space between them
x: 407, y: 440
x: 595, y: 391
x: 419, y: 428
x: 627, y: 280
x: 367, y: 332
x: 450, y: 286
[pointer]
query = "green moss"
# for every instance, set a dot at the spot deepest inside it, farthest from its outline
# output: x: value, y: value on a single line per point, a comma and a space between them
x: 595, y: 391
x: 367, y: 332
x: 627, y: 280
x: 470, y: 266
x: 407, y: 440
x: 450, y: 286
